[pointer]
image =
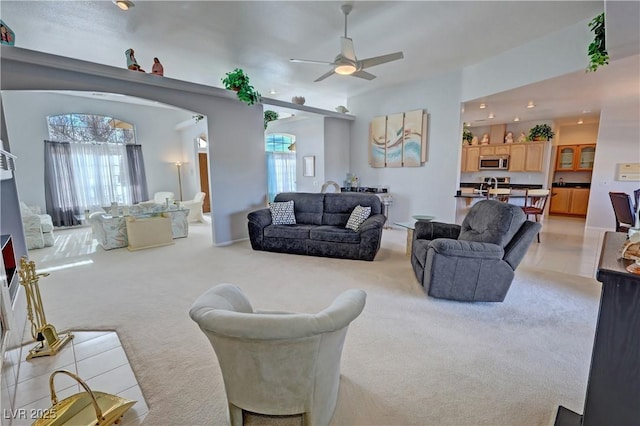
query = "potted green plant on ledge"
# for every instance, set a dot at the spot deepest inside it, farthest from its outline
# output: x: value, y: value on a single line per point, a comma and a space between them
x: 269, y: 115
x: 238, y: 81
x: 467, y: 136
x: 541, y: 132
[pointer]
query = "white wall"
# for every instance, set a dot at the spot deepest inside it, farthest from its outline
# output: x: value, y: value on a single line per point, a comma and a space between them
x: 336, y: 149
x: 429, y: 189
x: 189, y: 131
x: 26, y: 114
x: 310, y: 140
x: 618, y: 142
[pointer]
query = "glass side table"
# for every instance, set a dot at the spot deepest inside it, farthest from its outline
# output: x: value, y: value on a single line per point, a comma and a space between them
x: 410, y: 226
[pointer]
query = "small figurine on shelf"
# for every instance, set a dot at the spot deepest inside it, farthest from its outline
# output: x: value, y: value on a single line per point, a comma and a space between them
x: 522, y: 138
x: 157, y: 67
x: 474, y: 140
x: 132, y: 64
x: 485, y: 139
x: 508, y: 138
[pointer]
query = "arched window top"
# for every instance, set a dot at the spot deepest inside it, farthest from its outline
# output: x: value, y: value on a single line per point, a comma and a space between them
x: 279, y: 142
x: 90, y: 128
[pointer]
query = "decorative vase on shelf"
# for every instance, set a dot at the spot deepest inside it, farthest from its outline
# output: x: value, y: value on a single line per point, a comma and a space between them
x: 300, y: 100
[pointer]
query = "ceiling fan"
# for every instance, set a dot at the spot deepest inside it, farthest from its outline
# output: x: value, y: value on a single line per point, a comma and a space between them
x: 346, y: 62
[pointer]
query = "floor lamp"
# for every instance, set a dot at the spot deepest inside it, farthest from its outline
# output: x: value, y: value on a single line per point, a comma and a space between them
x: 179, y: 166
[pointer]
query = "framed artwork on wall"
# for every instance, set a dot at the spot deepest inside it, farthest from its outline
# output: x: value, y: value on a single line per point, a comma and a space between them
x: 309, y: 166
x: 398, y: 140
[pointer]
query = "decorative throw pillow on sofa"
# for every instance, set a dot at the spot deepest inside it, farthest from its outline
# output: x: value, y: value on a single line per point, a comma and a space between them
x: 358, y: 215
x: 282, y: 213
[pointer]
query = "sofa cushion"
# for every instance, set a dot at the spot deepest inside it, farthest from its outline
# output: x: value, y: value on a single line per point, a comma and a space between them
x: 334, y: 234
x: 338, y: 207
x: 299, y: 231
x: 282, y: 213
x: 358, y: 215
x: 307, y: 206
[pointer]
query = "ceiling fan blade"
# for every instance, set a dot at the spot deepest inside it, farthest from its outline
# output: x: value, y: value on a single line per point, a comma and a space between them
x: 364, y: 74
x: 377, y: 60
x: 325, y: 75
x: 307, y: 61
x: 346, y: 48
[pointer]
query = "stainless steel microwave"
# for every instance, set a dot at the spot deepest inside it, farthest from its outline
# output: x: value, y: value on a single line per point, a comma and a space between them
x: 494, y: 162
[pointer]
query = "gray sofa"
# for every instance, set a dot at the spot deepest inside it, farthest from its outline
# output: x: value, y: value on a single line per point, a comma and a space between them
x: 475, y: 261
x: 320, y: 226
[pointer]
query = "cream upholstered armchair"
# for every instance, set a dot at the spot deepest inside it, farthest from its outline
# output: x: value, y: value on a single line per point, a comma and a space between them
x: 161, y: 198
x: 195, y: 207
x: 38, y: 228
x: 277, y: 363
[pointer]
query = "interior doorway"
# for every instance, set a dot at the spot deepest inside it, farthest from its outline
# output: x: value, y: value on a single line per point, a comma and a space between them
x: 203, y: 165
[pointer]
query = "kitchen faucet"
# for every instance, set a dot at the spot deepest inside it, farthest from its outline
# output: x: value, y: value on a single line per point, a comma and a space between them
x: 495, y: 181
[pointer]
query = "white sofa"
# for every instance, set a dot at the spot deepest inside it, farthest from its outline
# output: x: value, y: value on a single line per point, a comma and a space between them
x: 38, y: 227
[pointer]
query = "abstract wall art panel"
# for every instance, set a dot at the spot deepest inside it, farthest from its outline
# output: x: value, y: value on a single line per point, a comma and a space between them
x: 377, y: 142
x: 394, y: 139
x: 398, y: 140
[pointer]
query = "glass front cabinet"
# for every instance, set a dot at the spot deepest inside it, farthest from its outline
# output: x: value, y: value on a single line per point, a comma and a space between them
x: 575, y: 157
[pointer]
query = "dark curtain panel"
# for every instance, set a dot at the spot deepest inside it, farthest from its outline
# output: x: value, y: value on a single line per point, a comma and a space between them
x: 137, y: 174
x: 60, y: 196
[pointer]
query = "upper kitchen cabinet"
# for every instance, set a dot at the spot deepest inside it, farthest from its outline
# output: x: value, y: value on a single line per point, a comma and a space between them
x: 575, y: 157
x: 470, y: 159
x: 527, y: 157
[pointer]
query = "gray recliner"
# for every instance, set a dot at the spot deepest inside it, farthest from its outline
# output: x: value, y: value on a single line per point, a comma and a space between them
x: 475, y: 261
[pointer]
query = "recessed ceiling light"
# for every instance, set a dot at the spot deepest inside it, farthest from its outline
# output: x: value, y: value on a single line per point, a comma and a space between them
x: 491, y: 115
x: 124, y: 4
x: 586, y: 111
x: 580, y: 121
x: 483, y: 106
x: 516, y: 118
x: 531, y: 104
x: 272, y: 92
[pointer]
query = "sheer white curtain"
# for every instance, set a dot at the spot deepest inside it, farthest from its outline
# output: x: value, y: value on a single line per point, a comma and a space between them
x: 281, y: 173
x: 100, y: 174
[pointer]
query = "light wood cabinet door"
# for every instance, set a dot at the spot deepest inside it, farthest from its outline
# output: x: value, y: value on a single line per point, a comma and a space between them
x: 502, y: 150
x: 535, y: 154
x: 560, y: 200
x: 463, y: 160
x: 473, y: 159
x: 487, y: 150
x: 566, y: 157
x: 584, y: 157
x: 579, y: 201
x: 517, y: 158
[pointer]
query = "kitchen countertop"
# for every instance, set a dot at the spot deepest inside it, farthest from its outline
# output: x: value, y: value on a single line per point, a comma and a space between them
x: 572, y: 185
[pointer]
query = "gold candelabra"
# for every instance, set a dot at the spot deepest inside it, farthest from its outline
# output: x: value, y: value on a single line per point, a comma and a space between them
x: 49, y: 341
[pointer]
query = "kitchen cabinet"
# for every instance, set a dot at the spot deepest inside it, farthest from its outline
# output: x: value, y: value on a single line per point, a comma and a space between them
x: 575, y: 157
x: 494, y: 150
x: 470, y: 159
x: 569, y: 201
x: 526, y: 157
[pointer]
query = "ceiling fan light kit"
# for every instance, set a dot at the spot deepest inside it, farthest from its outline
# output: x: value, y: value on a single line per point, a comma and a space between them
x: 346, y: 62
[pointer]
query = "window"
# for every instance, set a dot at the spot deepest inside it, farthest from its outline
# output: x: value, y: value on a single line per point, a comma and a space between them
x: 91, y: 161
x: 281, y: 164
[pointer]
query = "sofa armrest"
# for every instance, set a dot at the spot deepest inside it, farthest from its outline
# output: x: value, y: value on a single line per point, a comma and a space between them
x: 31, y: 223
x: 261, y: 218
x: 468, y: 249
x: 373, y: 222
x: 433, y: 230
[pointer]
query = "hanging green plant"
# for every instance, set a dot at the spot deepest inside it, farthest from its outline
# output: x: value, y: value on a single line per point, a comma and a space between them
x: 598, y: 55
x: 238, y: 81
x: 269, y: 115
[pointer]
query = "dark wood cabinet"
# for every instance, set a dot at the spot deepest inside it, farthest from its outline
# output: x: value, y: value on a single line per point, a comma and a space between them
x: 613, y: 388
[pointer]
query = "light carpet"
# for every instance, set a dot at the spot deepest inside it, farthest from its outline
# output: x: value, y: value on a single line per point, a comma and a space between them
x: 409, y: 359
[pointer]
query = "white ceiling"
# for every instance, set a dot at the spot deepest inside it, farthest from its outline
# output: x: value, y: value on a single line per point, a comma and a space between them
x: 199, y: 41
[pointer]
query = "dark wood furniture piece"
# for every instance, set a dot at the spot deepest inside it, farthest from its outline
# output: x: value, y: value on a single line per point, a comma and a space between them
x: 613, y: 388
x: 623, y: 210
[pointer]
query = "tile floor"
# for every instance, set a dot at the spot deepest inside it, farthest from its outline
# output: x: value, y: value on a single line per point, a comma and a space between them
x: 97, y: 357
x: 565, y: 246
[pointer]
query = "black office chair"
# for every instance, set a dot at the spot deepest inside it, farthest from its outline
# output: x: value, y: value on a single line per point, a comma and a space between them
x: 623, y: 211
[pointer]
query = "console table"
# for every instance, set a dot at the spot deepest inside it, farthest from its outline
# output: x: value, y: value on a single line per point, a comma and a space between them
x: 613, y: 388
